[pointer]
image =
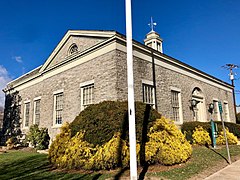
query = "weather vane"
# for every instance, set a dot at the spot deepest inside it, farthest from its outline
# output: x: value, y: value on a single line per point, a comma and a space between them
x: 152, y: 24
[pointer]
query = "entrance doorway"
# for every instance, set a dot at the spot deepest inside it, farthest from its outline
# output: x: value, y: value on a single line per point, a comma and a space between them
x: 200, y: 108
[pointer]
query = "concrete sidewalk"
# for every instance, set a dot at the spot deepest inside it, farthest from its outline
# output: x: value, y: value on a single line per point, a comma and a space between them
x: 231, y: 172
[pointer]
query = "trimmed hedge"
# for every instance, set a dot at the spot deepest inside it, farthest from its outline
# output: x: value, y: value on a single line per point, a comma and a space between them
x: 98, y: 139
x: 238, y: 118
x: 232, y: 127
x: 101, y: 121
x: 189, y: 127
x: 166, y: 145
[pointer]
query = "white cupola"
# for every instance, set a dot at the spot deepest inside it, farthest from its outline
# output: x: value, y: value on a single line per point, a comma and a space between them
x: 153, y: 39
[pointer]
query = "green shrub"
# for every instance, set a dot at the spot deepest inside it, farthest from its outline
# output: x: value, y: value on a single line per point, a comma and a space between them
x: 230, y: 138
x: 101, y: 121
x: 38, y: 137
x: 188, y: 128
x: 201, y: 136
x: 167, y: 145
x: 238, y: 118
x: 104, y: 143
x: 232, y: 127
x: 114, y: 153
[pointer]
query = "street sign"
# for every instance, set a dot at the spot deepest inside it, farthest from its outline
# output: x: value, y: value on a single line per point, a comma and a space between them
x: 220, y: 106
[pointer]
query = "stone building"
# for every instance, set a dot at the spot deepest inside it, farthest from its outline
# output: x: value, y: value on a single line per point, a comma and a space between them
x: 88, y: 67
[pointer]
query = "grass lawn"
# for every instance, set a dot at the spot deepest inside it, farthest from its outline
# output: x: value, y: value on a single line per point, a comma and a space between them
x: 30, y: 165
x: 203, y: 162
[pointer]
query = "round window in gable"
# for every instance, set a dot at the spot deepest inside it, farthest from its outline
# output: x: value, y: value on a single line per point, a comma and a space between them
x: 73, y: 48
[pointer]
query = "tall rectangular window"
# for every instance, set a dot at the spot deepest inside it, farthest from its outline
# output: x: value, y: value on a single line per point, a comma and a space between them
x: 148, y: 94
x: 226, y: 112
x: 87, y: 97
x: 26, y: 114
x: 216, y: 110
x: 176, y: 106
x: 37, y: 112
x: 58, y: 108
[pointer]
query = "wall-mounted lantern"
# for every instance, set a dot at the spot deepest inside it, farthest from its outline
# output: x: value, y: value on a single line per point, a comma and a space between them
x: 211, y: 108
x: 194, y: 103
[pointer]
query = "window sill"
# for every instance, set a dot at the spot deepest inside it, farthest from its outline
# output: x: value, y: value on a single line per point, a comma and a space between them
x: 56, y: 126
x: 178, y: 123
x: 25, y: 128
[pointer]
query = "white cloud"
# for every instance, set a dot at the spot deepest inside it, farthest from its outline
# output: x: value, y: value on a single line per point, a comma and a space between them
x: 18, y: 59
x: 3, y: 71
x: 4, y: 79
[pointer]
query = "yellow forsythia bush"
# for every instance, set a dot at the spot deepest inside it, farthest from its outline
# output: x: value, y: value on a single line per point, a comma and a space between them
x: 77, y: 153
x: 59, y: 145
x: 10, y: 143
x: 230, y: 137
x: 114, y: 153
x: 67, y: 152
x: 201, y: 136
x: 167, y: 145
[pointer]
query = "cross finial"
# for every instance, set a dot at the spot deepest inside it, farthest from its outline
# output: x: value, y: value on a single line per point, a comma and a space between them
x: 152, y: 24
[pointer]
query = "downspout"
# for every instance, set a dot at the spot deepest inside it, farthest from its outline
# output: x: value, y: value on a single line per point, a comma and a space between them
x: 154, y: 80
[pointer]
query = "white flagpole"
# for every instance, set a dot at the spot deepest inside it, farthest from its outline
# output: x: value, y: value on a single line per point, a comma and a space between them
x: 131, y: 106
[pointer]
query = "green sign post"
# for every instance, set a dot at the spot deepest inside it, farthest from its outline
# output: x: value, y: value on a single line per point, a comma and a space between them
x: 224, y: 130
x: 214, y: 134
x: 213, y: 126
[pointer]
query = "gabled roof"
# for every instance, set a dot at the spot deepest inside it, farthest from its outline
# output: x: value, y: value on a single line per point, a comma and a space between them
x: 84, y: 33
x: 25, y: 77
x: 108, y: 36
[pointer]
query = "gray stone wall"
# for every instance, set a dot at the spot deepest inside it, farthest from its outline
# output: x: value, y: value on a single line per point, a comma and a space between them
x: 101, y: 69
x: 83, y: 43
x: 109, y: 73
x: 165, y: 79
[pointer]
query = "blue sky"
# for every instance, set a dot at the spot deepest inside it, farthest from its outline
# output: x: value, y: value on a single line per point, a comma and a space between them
x: 204, y: 34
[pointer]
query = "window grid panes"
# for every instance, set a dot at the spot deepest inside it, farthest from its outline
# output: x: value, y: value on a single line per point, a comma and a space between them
x: 37, y: 112
x: 148, y: 94
x: 88, y: 95
x: 59, y: 108
x: 175, y: 105
x: 27, y: 111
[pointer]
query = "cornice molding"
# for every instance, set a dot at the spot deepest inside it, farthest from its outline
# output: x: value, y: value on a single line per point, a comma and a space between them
x: 116, y: 41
